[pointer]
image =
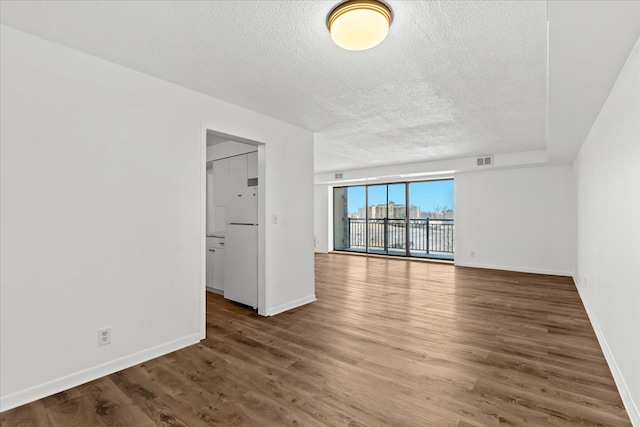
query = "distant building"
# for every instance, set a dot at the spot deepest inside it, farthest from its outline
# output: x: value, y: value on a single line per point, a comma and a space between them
x: 446, y: 213
x: 414, y: 211
x: 391, y: 211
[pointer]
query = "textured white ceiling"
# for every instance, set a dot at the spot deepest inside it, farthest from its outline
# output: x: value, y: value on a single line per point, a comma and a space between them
x: 453, y: 78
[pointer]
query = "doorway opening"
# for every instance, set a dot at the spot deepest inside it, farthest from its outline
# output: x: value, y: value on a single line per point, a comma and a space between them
x: 233, y: 204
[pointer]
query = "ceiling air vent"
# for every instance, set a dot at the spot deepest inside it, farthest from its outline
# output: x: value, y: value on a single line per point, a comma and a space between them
x: 338, y: 175
x: 485, y: 161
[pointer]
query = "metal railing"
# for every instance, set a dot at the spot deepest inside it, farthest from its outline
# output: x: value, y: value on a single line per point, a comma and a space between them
x: 426, y: 235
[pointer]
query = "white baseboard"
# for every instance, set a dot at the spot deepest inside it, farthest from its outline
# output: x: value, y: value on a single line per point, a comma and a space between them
x: 293, y: 304
x: 625, y: 394
x: 518, y: 269
x: 215, y: 291
x: 73, y: 380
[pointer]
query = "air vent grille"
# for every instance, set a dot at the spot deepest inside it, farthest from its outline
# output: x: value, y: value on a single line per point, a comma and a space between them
x: 485, y: 161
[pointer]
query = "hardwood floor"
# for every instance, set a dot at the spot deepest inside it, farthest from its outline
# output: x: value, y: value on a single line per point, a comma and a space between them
x: 389, y: 342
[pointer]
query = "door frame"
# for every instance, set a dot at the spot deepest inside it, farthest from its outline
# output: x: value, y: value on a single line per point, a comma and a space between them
x: 407, y: 219
x: 263, y: 285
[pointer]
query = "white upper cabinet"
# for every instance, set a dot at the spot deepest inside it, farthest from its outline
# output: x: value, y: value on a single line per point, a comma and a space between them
x: 231, y: 175
x: 252, y: 165
x: 237, y: 173
x: 220, y: 182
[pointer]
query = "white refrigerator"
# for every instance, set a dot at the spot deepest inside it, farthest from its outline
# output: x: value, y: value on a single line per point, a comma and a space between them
x: 241, y: 247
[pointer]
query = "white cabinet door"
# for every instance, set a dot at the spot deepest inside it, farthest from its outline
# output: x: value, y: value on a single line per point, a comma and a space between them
x: 252, y: 165
x: 210, y: 267
x: 211, y: 217
x: 220, y: 182
x: 241, y: 264
x: 218, y: 269
x: 215, y: 263
x: 215, y: 268
x: 237, y: 172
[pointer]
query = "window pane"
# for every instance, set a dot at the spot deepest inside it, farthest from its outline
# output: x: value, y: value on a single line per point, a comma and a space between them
x: 377, y: 211
x: 396, y: 231
x: 349, y: 211
x: 431, y: 229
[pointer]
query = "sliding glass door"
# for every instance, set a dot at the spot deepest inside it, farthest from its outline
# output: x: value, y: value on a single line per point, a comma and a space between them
x: 349, y: 218
x: 431, y: 219
x: 404, y: 219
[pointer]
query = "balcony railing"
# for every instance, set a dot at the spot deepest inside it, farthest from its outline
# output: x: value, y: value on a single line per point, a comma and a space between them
x: 425, y: 236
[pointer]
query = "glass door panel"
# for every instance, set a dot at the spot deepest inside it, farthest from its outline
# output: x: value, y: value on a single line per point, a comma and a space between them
x: 349, y: 218
x: 377, y: 218
x: 396, y: 230
x: 431, y: 226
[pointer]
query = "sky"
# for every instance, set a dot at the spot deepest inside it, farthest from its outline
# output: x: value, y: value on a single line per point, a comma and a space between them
x: 429, y: 195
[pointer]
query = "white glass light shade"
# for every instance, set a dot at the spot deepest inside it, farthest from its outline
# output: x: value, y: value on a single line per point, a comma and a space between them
x: 359, y: 24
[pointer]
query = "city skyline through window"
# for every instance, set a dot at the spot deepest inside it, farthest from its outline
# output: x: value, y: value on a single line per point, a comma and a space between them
x: 430, y: 196
x: 378, y: 218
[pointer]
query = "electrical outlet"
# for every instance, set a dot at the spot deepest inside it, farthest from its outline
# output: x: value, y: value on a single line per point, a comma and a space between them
x: 473, y: 254
x: 104, y: 336
x: 274, y: 219
x: 585, y: 283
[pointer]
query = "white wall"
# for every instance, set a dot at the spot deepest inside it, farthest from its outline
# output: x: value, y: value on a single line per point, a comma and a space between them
x: 102, y: 214
x: 516, y: 219
x: 607, y: 173
x: 428, y: 170
x: 322, y: 219
x: 440, y: 169
x: 289, y: 242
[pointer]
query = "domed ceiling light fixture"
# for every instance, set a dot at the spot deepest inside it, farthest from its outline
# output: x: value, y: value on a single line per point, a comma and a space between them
x: 359, y: 24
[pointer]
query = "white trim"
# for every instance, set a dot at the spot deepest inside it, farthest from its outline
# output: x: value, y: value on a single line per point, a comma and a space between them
x: 330, y: 213
x: 202, y: 292
x: 293, y: 304
x: 517, y: 269
x: 623, y: 389
x: 264, y: 233
x: 215, y: 291
x: 73, y: 380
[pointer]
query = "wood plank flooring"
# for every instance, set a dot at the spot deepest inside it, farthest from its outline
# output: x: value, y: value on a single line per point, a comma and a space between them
x: 389, y: 342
